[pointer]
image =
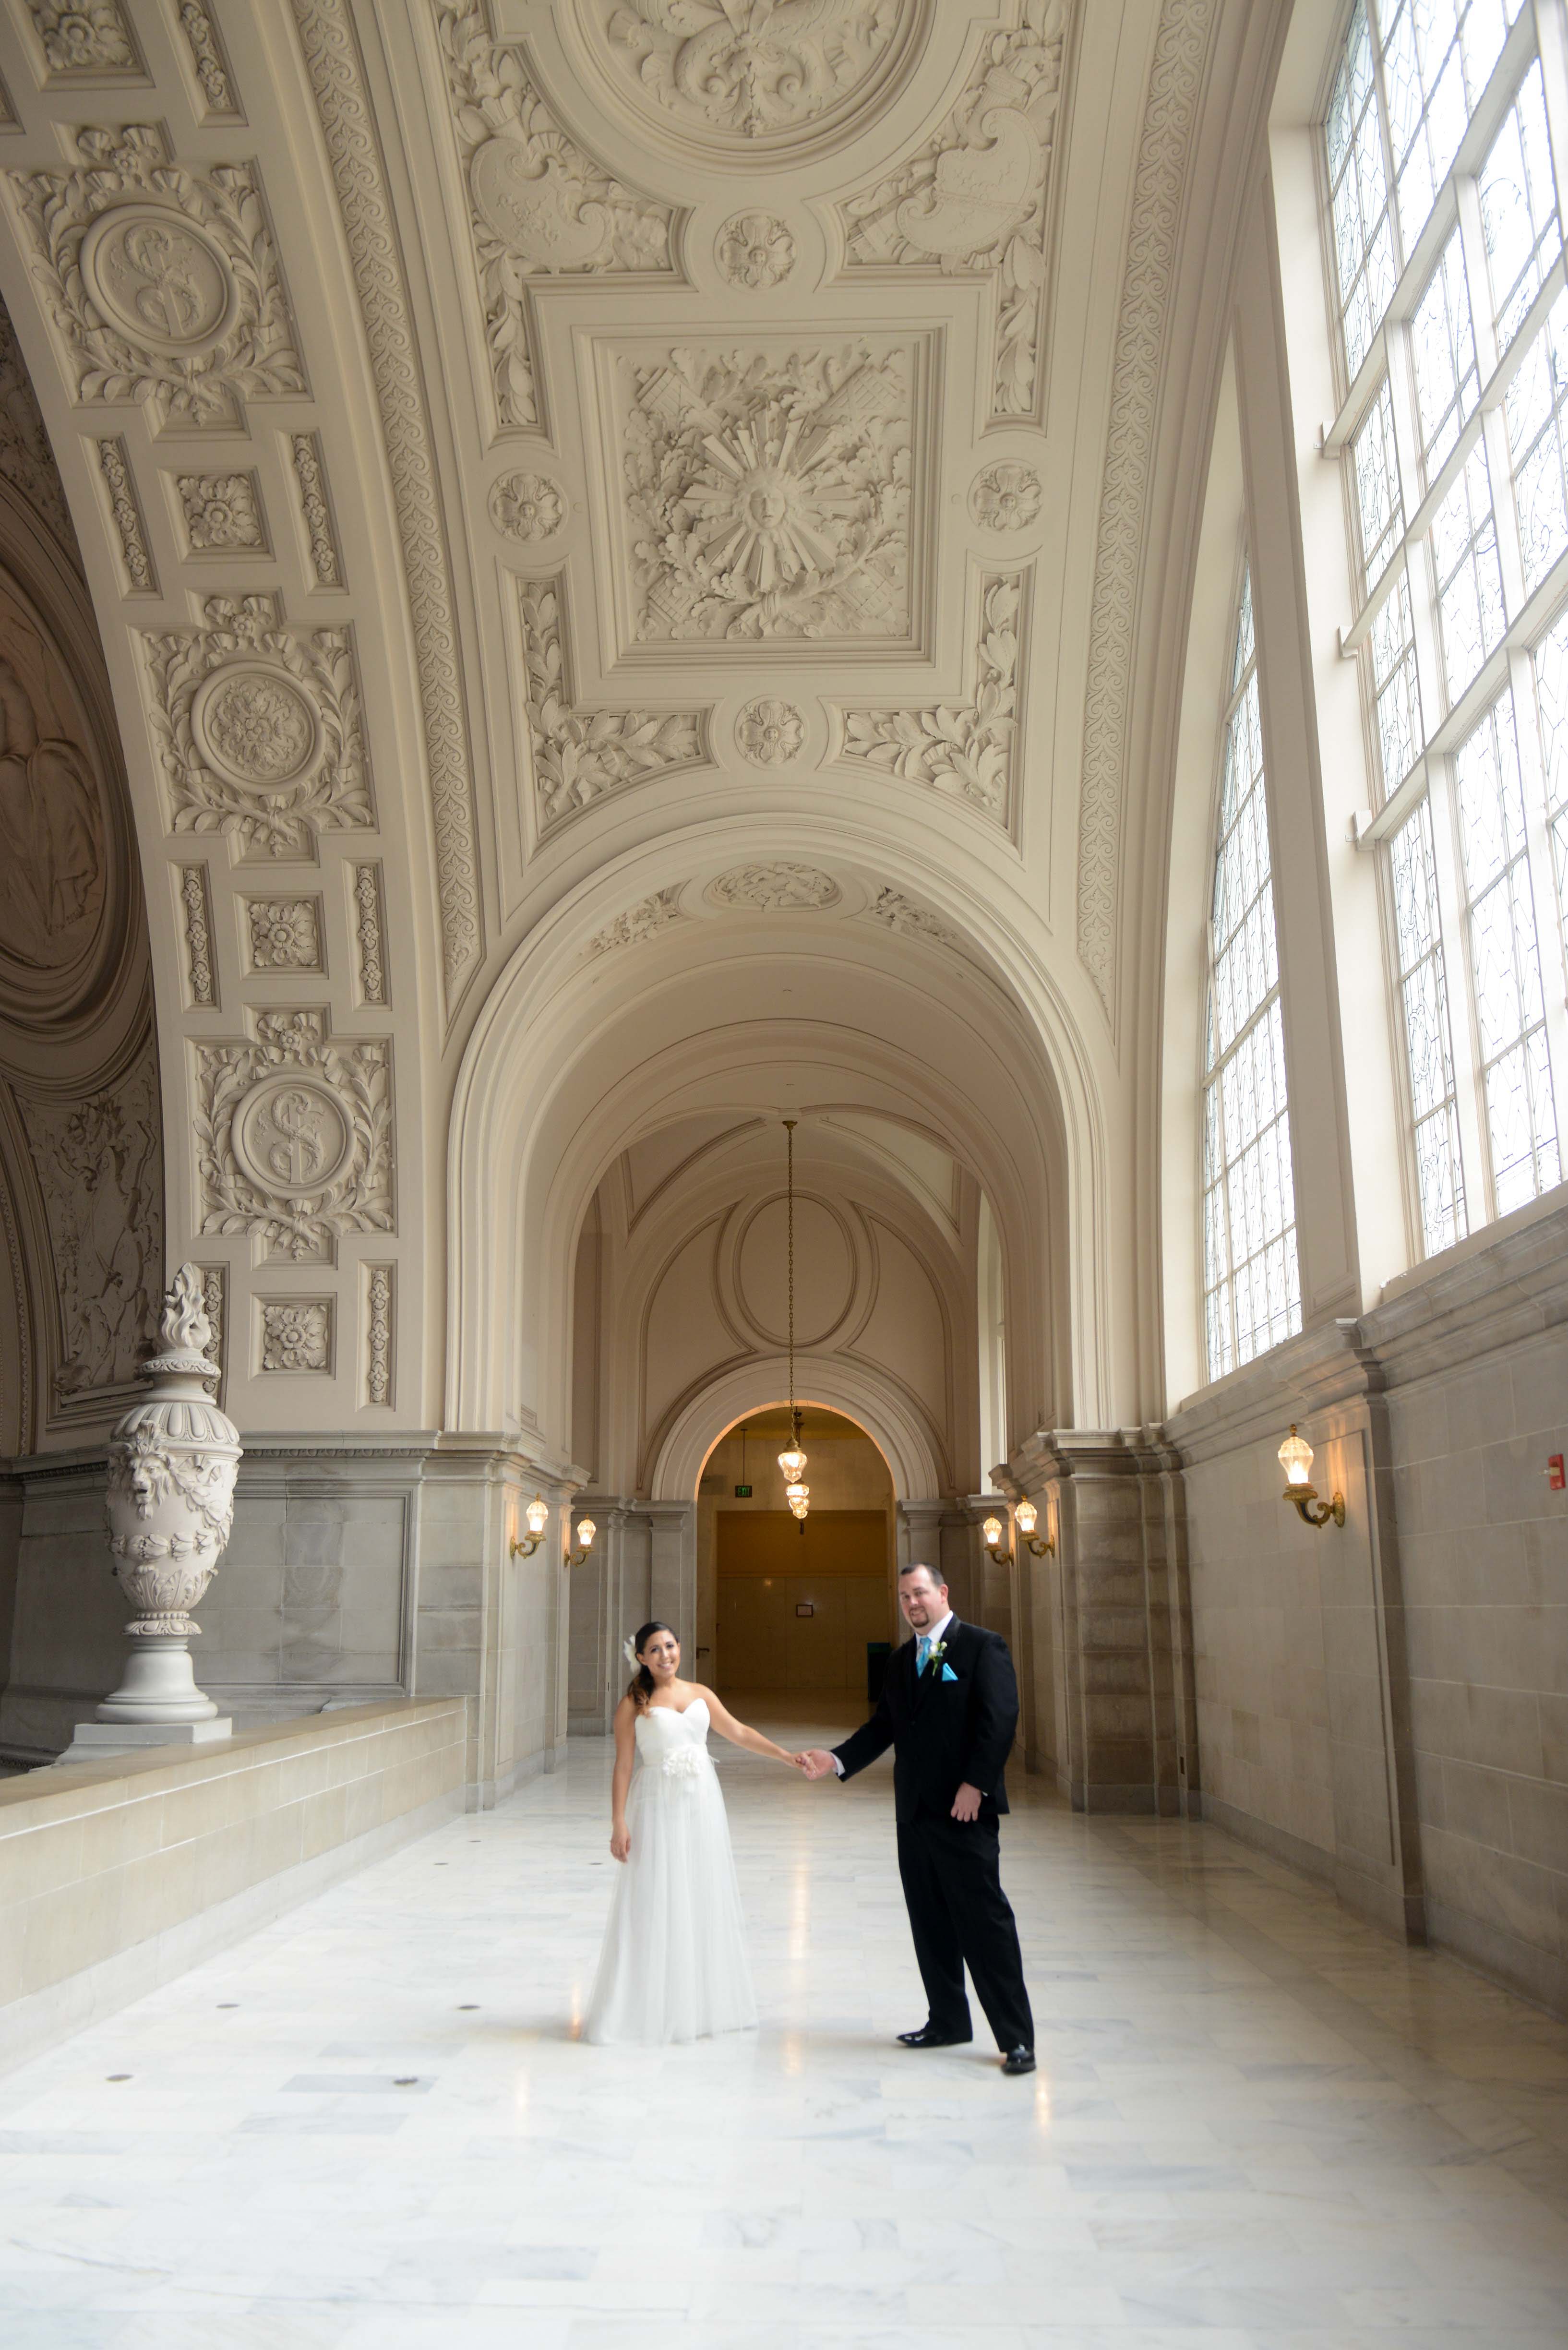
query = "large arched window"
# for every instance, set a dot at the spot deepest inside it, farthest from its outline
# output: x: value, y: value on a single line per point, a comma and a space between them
x: 1445, y: 142
x: 1252, y: 1286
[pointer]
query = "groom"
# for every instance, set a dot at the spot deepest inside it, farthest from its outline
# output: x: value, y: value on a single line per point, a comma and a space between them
x: 948, y: 1708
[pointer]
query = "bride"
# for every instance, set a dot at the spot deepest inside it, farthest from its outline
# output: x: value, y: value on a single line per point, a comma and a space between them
x: 674, y: 1960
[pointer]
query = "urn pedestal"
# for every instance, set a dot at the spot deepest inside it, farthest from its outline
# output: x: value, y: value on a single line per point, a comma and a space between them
x: 172, y: 1461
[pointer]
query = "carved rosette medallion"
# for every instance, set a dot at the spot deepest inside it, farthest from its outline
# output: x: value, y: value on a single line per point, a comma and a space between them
x: 740, y: 80
x: 767, y: 489
x: 770, y: 732
x: 293, y: 1136
x: 1005, y: 497
x: 526, y: 506
x: 755, y: 250
x: 258, y: 727
x: 163, y: 286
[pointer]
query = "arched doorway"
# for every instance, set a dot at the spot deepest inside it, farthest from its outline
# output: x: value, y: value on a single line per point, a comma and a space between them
x: 789, y: 1611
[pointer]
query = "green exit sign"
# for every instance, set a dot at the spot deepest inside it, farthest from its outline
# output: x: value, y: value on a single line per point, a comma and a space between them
x: 743, y: 1493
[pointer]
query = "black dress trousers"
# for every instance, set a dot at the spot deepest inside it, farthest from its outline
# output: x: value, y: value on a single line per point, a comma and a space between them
x: 959, y: 1916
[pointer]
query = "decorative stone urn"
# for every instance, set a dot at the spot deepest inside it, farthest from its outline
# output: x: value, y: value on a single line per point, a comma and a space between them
x: 172, y: 1461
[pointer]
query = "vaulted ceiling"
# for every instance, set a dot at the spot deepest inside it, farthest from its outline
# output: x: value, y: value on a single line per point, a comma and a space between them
x: 620, y: 473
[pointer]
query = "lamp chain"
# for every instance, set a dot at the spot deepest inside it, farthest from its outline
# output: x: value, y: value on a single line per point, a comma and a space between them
x: 789, y: 1149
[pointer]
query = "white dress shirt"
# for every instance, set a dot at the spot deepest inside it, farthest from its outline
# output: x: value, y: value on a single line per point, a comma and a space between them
x: 933, y: 1635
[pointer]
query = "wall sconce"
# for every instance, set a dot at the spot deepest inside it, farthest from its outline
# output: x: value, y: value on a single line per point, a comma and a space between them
x: 992, y: 1534
x: 538, y: 1516
x: 1025, y: 1517
x: 1295, y: 1459
x: 587, y: 1530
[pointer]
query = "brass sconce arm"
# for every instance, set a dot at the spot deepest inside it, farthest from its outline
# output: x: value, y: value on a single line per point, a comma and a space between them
x: 1311, y: 1511
x: 538, y: 1516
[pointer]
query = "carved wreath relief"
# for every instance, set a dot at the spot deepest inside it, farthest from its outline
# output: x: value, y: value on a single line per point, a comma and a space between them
x: 772, y: 889
x: 767, y: 491
x: 257, y: 727
x: 967, y: 748
x: 162, y: 286
x: 294, y: 1137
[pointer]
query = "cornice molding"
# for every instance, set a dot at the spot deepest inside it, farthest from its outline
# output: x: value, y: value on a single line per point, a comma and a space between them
x: 337, y: 82
x: 1170, y: 110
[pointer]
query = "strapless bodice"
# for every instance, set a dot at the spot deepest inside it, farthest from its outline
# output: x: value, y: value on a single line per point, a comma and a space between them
x: 675, y: 1744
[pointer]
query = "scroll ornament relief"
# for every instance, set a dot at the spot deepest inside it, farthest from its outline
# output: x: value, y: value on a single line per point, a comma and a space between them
x: 198, y: 933
x: 27, y: 460
x: 901, y: 914
x: 968, y: 748
x: 84, y: 37
x: 215, y: 1288
x: 768, y: 492
x: 581, y: 755
x: 257, y: 727
x: 752, y: 71
x: 643, y: 920
x: 293, y: 1136
x: 325, y: 560
x: 367, y: 923
x: 100, y: 1164
x: 538, y: 206
x: 773, y: 888
x: 974, y: 200
x: 122, y: 505
x: 163, y: 286
x: 379, y: 1292
x: 206, y: 57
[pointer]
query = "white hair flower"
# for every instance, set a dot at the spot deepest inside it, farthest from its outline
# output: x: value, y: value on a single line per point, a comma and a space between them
x: 628, y: 1650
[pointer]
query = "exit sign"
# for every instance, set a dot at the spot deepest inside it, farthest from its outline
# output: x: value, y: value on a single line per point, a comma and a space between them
x: 743, y: 1493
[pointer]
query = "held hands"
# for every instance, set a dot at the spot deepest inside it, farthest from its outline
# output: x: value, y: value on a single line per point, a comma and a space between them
x: 817, y: 1762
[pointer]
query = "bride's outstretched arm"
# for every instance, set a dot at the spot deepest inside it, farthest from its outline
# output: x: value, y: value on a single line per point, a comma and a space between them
x: 738, y: 1734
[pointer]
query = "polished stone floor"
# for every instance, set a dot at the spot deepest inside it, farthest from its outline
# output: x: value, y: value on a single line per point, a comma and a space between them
x: 1254, y: 2122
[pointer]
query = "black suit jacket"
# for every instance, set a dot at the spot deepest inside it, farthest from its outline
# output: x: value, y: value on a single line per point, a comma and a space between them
x: 943, y: 1732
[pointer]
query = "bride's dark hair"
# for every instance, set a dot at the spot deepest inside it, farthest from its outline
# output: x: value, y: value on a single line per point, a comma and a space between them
x: 640, y: 1689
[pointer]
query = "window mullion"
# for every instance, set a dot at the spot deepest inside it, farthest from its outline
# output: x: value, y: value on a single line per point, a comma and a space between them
x: 1543, y: 876
x: 1470, y: 1079
x: 1420, y: 571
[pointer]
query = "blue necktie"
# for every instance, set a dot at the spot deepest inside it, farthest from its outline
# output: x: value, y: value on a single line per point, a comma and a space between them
x: 923, y: 1652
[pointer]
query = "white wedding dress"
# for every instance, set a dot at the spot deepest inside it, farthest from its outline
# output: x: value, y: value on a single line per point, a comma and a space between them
x: 674, y: 1963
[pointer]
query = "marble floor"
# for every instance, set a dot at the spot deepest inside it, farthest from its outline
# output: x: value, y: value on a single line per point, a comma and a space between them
x: 1255, y: 2123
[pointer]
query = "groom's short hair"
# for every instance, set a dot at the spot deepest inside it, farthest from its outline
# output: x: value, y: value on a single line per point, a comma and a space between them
x: 920, y: 1566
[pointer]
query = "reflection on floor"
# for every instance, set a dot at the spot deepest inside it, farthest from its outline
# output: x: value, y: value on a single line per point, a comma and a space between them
x: 1255, y: 2122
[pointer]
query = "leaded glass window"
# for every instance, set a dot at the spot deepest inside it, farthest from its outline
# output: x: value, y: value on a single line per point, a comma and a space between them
x: 1423, y: 1002
x: 1505, y: 962
x: 1252, y: 1286
x: 1447, y: 124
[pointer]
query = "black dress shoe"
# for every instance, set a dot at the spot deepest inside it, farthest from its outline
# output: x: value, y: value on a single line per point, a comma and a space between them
x: 928, y: 2036
x: 1019, y: 2060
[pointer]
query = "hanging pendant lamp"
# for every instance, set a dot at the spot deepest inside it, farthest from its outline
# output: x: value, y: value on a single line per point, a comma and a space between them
x: 791, y: 1459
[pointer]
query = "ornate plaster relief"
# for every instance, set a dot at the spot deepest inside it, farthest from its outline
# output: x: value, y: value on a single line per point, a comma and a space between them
x: 295, y: 1334
x: 83, y: 36
x: 526, y: 506
x: 209, y: 64
x: 538, y: 205
x: 196, y: 907
x: 163, y: 285
x: 283, y: 933
x: 767, y: 487
x: 581, y: 755
x: 743, y: 82
x: 27, y: 460
x: 222, y: 513
x: 770, y: 732
x: 969, y: 749
x: 293, y: 1136
x: 381, y: 1296
x: 257, y: 727
x: 770, y: 888
x: 643, y: 920
x: 974, y: 200
x: 309, y: 472
x: 369, y: 926
x: 755, y: 250
x: 140, y: 579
